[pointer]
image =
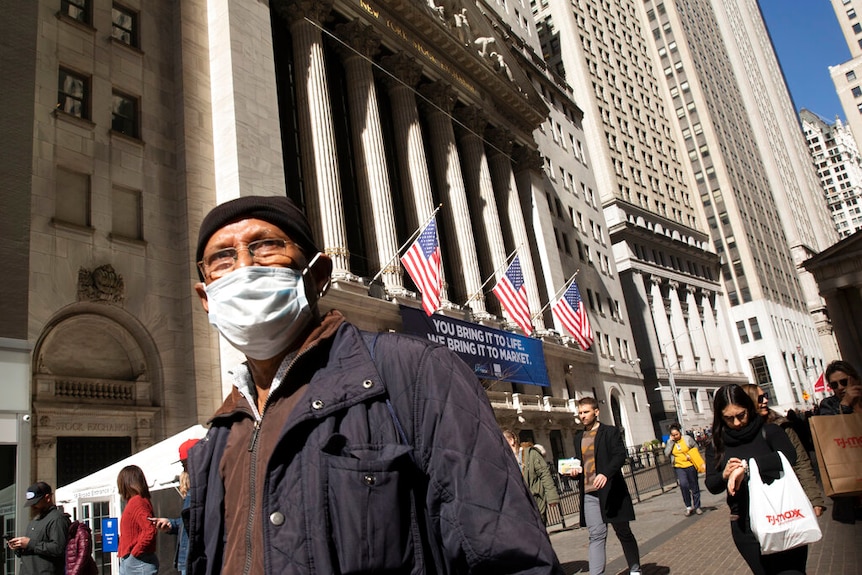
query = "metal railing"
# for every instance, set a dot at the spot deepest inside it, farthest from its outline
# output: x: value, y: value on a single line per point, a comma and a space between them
x: 647, y: 472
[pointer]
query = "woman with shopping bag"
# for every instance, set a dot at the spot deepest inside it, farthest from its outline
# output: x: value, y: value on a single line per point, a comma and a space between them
x: 687, y: 463
x: 802, y: 468
x: 739, y: 437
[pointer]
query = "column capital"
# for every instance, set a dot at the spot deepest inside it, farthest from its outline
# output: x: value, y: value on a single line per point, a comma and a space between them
x: 471, y: 118
x: 403, y: 67
x: 295, y: 10
x: 440, y: 94
x: 528, y: 159
x: 656, y: 280
x: 691, y: 289
x: 360, y: 37
x: 502, y: 141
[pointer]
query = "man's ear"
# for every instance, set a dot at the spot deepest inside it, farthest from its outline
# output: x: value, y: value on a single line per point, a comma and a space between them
x: 199, y: 288
x: 321, y: 271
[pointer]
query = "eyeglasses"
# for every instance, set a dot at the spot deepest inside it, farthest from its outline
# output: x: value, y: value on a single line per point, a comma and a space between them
x: 763, y: 398
x: 263, y: 252
x: 842, y: 382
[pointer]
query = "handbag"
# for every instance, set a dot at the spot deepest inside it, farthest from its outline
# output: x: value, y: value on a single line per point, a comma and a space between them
x: 780, y: 513
x: 697, y: 459
x: 838, y: 445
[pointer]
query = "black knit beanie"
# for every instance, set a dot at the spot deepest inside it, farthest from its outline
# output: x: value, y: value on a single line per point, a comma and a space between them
x: 277, y: 210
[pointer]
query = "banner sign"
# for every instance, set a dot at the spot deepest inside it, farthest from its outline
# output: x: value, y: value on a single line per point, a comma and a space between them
x: 110, y: 534
x: 492, y: 353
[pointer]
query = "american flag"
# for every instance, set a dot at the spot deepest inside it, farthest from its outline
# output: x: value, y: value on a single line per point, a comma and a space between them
x: 422, y: 262
x: 570, y: 311
x: 512, y: 294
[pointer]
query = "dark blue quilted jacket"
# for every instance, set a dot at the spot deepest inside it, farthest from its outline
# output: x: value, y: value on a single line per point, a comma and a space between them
x: 346, y: 492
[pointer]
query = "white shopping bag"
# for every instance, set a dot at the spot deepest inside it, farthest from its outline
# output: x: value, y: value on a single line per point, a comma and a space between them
x: 781, y: 514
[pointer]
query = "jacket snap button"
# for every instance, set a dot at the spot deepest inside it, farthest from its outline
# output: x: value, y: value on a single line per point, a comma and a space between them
x: 369, y: 480
x: 367, y: 384
x: 317, y: 404
x: 277, y: 518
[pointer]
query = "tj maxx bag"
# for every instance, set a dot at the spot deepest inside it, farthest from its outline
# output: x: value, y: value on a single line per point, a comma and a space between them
x: 838, y: 444
x: 780, y: 513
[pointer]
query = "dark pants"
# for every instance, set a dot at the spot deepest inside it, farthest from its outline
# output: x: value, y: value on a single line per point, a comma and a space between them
x: 688, y: 486
x: 790, y: 562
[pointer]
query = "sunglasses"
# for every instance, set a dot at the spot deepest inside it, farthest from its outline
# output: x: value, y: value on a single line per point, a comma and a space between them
x: 842, y: 382
x: 763, y: 398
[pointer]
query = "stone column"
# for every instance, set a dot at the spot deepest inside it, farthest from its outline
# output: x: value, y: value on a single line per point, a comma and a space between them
x: 681, y: 335
x: 724, y: 335
x: 696, y: 329
x: 659, y: 318
x: 456, y: 212
x: 317, y: 134
x: 372, y: 173
x: 247, y: 154
x: 410, y: 149
x: 711, y: 331
x: 511, y: 214
x: 480, y: 191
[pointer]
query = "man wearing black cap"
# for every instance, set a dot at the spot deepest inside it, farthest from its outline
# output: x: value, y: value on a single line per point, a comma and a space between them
x: 42, y: 550
x: 337, y: 450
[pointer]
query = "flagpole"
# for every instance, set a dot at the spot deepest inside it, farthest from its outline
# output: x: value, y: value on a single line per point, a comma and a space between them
x: 412, y: 237
x: 559, y: 291
x: 493, y: 274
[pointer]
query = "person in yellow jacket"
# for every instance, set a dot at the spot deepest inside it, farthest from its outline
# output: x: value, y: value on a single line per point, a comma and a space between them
x: 687, y: 461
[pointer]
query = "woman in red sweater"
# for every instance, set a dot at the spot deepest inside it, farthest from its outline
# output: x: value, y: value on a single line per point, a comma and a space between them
x: 137, y: 549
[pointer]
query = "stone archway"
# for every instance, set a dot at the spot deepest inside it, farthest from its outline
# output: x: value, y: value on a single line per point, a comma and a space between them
x: 96, y: 391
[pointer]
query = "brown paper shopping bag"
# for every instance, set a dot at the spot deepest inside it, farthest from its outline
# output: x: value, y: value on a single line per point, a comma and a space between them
x: 838, y: 444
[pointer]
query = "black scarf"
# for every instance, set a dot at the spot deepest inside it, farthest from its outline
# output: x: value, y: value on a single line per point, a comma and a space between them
x: 734, y: 437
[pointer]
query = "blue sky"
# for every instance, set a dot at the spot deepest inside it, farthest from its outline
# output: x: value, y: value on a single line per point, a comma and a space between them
x: 807, y: 40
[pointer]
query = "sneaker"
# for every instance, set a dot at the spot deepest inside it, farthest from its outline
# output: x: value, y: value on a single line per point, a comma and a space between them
x: 687, y: 511
x: 699, y: 511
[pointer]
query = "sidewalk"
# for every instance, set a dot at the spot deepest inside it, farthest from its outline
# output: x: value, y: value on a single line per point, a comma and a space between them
x: 710, y: 550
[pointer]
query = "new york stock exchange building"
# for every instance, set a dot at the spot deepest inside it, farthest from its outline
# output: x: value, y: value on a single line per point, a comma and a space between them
x: 369, y: 114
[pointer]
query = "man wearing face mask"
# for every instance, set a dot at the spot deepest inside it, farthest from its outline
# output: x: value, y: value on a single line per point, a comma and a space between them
x: 340, y: 451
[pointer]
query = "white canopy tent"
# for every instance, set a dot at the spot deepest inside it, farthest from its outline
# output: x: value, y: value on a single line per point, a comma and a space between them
x: 160, y: 464
x: 95, y: 496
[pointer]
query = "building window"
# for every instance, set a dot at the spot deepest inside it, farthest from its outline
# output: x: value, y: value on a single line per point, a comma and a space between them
x: 857, y: 28
x: 126, y: 213
x: 72, y: 200
x: 755, y: 328
x: 850, y: 76
x: 743, y: 333
x: 76, y: 9
x: 856, y: 91
x: 695, y: 404
x: 73, y: 94
x: 124, y: 114
x: 124, y: 25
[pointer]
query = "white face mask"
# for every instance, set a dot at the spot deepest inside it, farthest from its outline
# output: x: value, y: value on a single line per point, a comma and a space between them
x: 259, y: 310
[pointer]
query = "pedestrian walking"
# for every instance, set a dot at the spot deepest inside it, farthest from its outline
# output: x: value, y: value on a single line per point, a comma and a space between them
x: 537, y: 474
x: 802, y: 468
x: 337, y: 450
x: 687, y: 463
x: 843, y: 380
x: 43, y: 549
x: 739, y: 435
x: 604, y: 495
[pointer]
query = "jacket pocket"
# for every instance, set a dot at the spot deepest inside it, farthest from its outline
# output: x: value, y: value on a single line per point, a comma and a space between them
x: 368, y: 505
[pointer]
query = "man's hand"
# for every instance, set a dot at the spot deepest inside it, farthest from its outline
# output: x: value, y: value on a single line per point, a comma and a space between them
x: 852, y: 395
x: 19, y: 542
x: 600, y: 481
x: 818, y: 510
x: 575, y: 471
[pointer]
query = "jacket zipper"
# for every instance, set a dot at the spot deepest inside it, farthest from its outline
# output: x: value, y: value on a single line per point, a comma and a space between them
x: 252, y: 448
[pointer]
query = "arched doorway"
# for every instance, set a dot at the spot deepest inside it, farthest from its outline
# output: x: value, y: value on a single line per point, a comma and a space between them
x: 96, y: 391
